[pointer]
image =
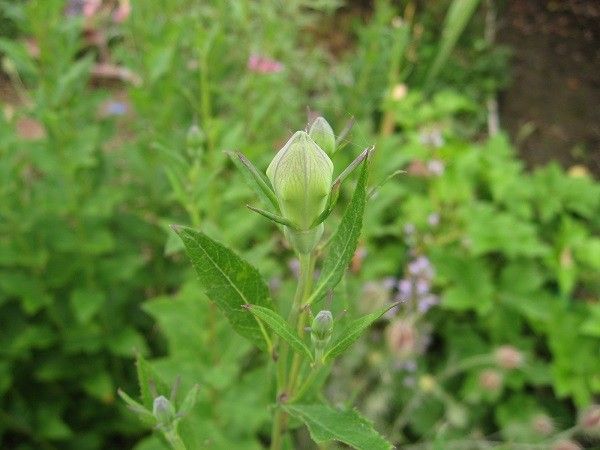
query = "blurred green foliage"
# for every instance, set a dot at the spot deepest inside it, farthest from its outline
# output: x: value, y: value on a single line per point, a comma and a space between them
x: 90, y: 274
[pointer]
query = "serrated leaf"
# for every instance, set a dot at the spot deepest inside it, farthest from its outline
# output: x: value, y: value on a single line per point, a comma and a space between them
x: 227, y: 280
x: 280, y: 327
x: 345, y: 240
x: 328, y: 424
x: 353, y: 331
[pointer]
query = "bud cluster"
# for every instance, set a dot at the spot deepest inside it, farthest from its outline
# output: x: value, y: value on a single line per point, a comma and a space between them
x: 299, y: 184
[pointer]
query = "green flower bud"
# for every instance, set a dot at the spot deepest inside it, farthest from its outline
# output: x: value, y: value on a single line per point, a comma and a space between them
x: 195, y: 141
x: 321, y: 329
x: 163, y: 410
x: 322, y: 133
x: 301, y: 175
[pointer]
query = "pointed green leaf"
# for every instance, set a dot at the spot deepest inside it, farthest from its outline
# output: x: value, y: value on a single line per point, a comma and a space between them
x: 144, y: 415
x: 328, y: 424
x: 344, y: 241
x: 353, y: 165
x: 227, y: 280
x: 260, y: 182
x: 189, y: 401
x: 353, y: 331
x: 280, y: 327
x: 458, y: 15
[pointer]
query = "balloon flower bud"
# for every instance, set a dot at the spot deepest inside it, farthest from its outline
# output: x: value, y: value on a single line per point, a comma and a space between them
x: 163, y: 410
x: 320, y: 331
x: 322, y: 133
x: 301, y: 174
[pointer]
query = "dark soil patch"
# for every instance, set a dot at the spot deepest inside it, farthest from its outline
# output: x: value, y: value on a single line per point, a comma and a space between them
x: 555, y: 92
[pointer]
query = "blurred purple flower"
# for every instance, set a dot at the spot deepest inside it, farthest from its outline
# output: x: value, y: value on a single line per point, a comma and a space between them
x: 409, y: 366
x: 420, y: 267
x: 263, y: 64
x: 433, y: 219
x: 294, y: 266
x: 422, y: 286
x: 409, y: 229
x: 405, y: 289
x: 425, y: 303
x: 435, y: 167
x: 389, y: 283
x: 432, y: 138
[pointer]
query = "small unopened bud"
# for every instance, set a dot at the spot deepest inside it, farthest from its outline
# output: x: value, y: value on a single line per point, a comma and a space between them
x: 589, y: 420
x: 163, y: 410
x: 508, y: 357
x: 542, y: 425
x: 195, y: 141
x: 321, y: 330
x: 490, y: 380
x: 322, y: 133
x: 566, y: 444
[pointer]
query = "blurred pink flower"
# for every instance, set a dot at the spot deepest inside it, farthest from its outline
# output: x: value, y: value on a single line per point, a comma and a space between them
x: 263, y: 65
x: 91, y: 7
x: 122, y: 12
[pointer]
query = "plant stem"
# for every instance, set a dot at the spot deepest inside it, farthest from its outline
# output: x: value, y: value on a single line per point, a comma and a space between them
x: 298, y: 316
x: 174, y: 440
x: 285, y: 383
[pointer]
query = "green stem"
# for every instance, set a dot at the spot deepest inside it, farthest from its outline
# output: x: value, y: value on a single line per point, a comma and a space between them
x: 174, y: 440
x: 285, y: 382
x: 298, y: 316
x: 309, y: 381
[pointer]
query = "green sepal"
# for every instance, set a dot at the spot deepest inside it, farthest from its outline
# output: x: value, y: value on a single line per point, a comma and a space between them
x: 260, y: 180
x: 273, y: 217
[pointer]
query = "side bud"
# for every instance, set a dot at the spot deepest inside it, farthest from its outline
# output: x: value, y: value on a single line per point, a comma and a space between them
x: 163, y: 411
x: 322, y: 133
x: 195, y: 141
x: 301, y: 174
x: 320, y: 332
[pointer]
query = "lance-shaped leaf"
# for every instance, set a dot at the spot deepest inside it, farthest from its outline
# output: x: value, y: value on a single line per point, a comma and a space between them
x: 379, y: 185
x: 344, y: 241
x: 280, y: 327
x: 143, y: 414
x: 189, y: 401
x: 353, y: 165
x: 258, y: 179
x: 227, y: 280
x: 353, y: 331
x: 273, y: 217
x: 328, y: 424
